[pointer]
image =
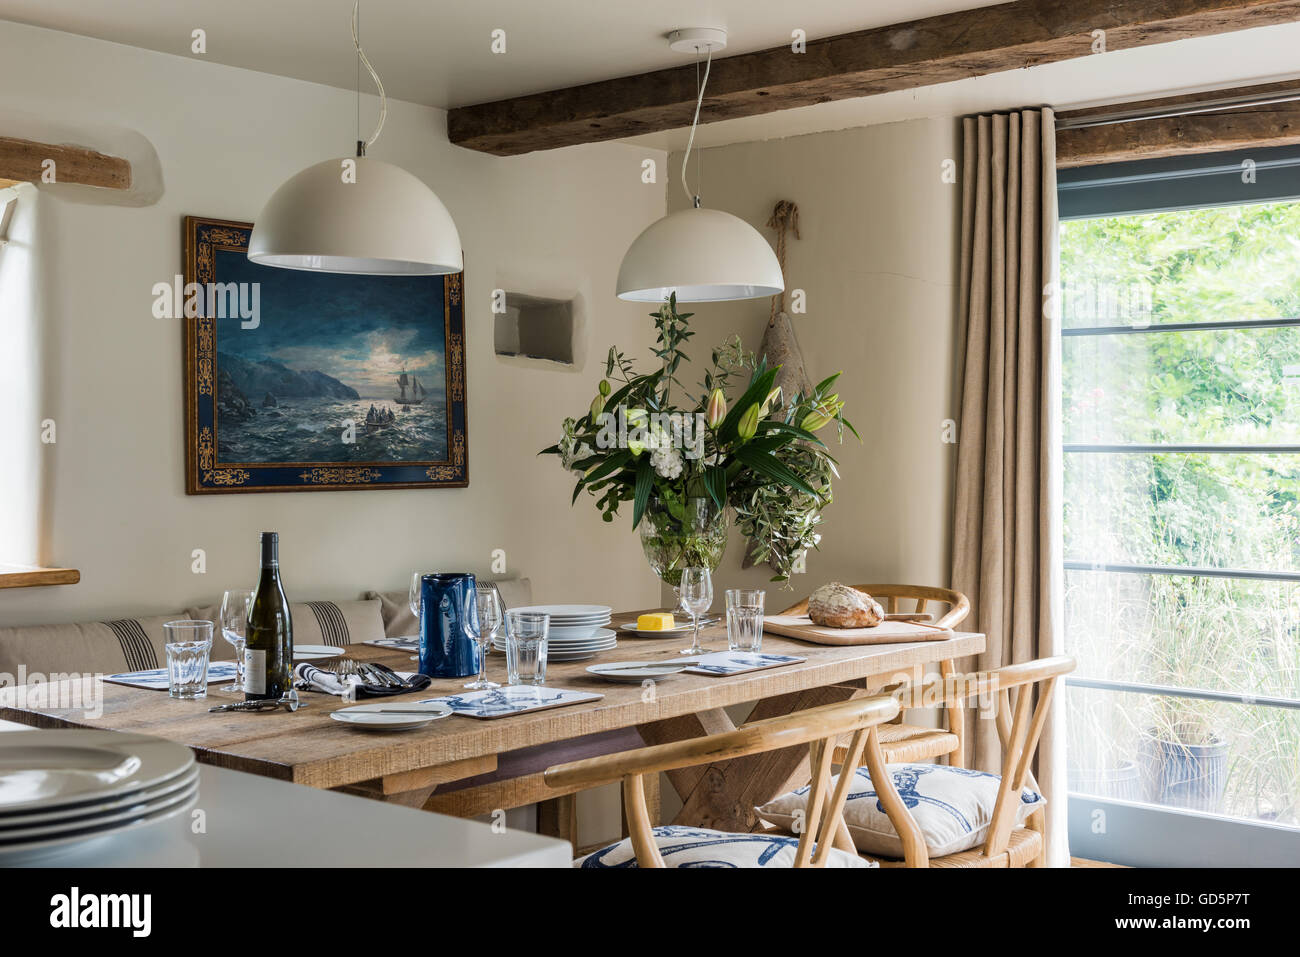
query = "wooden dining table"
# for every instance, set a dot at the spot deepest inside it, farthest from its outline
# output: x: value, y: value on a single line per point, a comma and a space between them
x: 470, y: 766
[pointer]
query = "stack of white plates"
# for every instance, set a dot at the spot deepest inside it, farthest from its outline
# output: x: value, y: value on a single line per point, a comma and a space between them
x: 572, y: 649
x: 62, y: 787
x: 573, y: 621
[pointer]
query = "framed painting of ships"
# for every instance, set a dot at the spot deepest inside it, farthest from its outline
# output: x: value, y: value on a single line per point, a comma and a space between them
x: 304, y: 381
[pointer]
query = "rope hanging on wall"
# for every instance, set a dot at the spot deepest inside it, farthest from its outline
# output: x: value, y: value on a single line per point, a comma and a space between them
x: 780, y: 347
x: 785, y: 216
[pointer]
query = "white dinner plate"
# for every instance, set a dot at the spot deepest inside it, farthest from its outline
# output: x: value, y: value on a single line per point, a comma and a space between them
x: 599, y: 636
x: 630, y: 630
x: 315, y: 652
x: 372, y: 717
x: 569, y: 612
x: 577, y: 631
x: 95, y: 822
x: 164, y: 810
x: 181, y: 781
x: 594, y: 636
x: 43, y: 770
x: 649, y: 670
x: 598, y: 644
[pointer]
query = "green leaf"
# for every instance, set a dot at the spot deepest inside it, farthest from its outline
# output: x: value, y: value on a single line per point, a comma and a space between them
x: 612, y: 464
x: 644, y: 483
x: 715, y: 482
x: 758, y: 389
x: 775, y: 425
x: 773, y: 469
x: 826, y: 383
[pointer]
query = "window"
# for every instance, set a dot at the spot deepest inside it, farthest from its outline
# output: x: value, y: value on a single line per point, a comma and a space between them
x: 1181, y: 410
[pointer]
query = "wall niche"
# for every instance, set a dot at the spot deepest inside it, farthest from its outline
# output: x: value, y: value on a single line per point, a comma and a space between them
x: 533, y: 327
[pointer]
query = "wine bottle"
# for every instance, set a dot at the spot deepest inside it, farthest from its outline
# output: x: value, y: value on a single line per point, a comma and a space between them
x: 268, y: 652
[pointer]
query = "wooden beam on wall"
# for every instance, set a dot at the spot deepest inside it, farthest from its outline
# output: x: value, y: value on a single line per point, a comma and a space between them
x: 24, y: 161
x: 1234, y: 128
x: 901, y: 56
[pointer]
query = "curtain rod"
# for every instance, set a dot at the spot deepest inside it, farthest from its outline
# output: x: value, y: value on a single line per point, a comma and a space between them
x: 1206, y: 106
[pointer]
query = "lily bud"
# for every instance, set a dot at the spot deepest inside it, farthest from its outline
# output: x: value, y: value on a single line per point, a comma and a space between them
x: 823, y: 415
x: 773, y: 397
x: 749, y: 423
x: 597, y: 407
x: 716, y: 410
x: 637, y: 430
x: 603, y: 388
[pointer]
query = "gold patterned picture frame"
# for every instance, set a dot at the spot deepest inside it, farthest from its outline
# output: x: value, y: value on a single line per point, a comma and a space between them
x: 327, y: 439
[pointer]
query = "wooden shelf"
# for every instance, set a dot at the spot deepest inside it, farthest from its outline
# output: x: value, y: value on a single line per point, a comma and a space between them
x: 30, y: 576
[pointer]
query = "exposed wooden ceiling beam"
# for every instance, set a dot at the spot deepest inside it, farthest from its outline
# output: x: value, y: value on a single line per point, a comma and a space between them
x: 1151, y: 137
x: 902, y: 56
x: 25, y: 161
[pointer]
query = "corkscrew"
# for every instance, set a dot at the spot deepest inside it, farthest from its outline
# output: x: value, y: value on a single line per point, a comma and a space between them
x: 289, y: 701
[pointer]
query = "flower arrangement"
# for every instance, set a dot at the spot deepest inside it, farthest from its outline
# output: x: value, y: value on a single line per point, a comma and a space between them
x: 758, y: 454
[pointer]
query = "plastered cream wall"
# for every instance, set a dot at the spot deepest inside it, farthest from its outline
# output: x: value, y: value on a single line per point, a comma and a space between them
x: 108, y: 496
x: 877, y: 267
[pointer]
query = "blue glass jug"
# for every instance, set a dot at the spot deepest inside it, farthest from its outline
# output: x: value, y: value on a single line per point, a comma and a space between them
x: 448, y: 625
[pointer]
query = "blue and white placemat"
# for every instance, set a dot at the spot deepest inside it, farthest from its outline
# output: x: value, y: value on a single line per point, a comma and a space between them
x: 407, y: 643
x: 510, y: 700
x: 722, y: 663
x: 155, y: 679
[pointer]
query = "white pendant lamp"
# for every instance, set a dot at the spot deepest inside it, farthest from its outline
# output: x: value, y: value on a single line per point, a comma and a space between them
x: 703, y: 255
x: 359, y: 216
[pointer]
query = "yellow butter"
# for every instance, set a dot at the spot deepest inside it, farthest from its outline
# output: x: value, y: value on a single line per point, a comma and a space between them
x: 656, y: 621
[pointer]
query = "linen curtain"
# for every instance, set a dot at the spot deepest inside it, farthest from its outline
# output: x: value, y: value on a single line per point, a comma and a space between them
x: 1007, y: 512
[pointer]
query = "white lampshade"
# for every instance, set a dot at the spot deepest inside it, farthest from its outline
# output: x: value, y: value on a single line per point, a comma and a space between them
x: 704, y: 255
x: 385, y: 223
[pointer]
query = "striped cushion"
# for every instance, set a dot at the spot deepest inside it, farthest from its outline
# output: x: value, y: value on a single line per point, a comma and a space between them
x: 698, y: 847
x: 335, y: 623
x: 100, y: 647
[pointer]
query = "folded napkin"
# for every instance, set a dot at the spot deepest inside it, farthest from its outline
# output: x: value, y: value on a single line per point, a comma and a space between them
x: 311, y: 678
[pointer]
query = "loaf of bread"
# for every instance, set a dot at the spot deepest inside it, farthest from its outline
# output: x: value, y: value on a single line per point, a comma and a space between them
x: 839, y: 606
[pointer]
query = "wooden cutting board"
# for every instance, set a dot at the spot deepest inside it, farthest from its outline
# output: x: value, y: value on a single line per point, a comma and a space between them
x: 885, y: 633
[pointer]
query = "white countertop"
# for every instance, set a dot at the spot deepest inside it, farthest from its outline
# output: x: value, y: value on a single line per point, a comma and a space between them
x: 252, y: 821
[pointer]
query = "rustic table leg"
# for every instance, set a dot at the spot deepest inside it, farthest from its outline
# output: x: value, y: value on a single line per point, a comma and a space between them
x: 558, y: 817
x: 723, y: 795
x: 715, y: 721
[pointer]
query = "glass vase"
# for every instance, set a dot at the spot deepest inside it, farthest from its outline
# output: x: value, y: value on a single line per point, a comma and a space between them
x: 682, y: 532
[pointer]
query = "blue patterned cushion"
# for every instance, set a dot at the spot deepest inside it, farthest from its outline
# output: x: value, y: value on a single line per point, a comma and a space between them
x: 953, y: 807
x: 697, y: 847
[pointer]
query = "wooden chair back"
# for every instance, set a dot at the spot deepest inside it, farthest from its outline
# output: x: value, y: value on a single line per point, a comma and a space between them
x: 817, y: 727
x: 1019, y: 730
x: 889, y: 595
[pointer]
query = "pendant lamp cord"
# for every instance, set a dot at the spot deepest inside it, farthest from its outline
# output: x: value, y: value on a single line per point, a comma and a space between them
x: 699, y: 100
x: 365, y: 61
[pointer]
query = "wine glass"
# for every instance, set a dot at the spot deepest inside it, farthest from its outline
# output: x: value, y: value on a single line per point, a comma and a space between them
x: 413, y: 596
x: 696, y: 592
x: 236, y: 603
x: 487, y: 601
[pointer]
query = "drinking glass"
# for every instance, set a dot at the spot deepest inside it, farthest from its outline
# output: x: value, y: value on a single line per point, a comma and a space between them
x: 488, y: 601
x: 236, y: 603
x: 526, y: 633
x: 697, y: 595
x: 745, y: 619
x: 188, y: 643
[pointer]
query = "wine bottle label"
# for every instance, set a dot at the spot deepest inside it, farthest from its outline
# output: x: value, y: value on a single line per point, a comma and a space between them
x: 254, y: 671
